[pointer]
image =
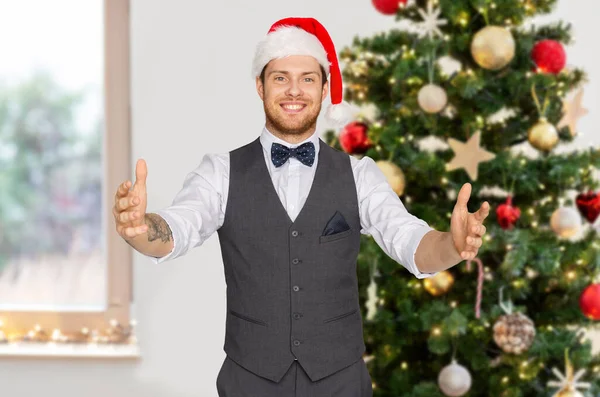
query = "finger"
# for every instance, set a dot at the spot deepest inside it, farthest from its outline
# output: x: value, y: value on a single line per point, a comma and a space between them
x: 126, y: 202
x: 483, y: 212
x: 141, y: 171
x: 122, y: 190
x: 128, y: 216
x: 468, y: 254
x: 478, y: 230
x: 135, y: 231
x: 463, y: 196
x: 474, y: 242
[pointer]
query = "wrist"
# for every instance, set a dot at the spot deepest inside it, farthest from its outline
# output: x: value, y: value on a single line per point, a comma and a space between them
x: 451, y: 250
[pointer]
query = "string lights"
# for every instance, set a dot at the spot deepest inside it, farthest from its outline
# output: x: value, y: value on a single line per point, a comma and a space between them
x: 115, y: 334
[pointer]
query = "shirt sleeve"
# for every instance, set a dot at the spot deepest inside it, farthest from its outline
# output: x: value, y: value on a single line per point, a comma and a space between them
x: 384, y: 217
x: 197, y: 210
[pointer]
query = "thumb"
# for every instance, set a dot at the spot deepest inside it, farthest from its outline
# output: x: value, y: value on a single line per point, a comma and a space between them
x: 141, y: 171
x: 463, y: 196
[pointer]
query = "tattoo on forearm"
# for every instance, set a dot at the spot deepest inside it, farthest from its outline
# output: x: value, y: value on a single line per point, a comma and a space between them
x: 158, y: 228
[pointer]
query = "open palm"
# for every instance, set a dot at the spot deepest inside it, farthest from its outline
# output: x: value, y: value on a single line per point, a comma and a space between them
x: 467, y: 228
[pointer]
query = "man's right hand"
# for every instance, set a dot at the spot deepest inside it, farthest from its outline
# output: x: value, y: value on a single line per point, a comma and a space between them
x: 130, y: 205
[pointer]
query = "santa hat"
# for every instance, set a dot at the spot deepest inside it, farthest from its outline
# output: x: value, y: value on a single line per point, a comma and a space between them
x: 306, y: 36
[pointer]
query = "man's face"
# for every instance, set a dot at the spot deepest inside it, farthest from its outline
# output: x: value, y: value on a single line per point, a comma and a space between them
x: 292, y: 93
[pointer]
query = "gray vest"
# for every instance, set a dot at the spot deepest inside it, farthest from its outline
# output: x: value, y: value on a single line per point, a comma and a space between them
x: 292, y: 294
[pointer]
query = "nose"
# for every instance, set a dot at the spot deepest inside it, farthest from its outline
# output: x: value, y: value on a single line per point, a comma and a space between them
x: 294, y: 89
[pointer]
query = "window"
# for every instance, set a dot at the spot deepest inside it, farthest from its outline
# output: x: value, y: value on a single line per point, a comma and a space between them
x: 64, y: 148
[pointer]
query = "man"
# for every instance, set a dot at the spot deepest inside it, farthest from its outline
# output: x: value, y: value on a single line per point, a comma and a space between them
x: 289, y: 211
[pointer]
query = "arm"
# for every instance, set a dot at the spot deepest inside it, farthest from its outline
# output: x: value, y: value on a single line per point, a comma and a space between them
x: 196, y: 212
x: 157, y: 241
x: 442, y: 250
x: 384, y: 217
x: 407, y: 239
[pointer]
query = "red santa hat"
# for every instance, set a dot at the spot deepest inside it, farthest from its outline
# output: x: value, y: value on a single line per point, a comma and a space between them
x: 306, y: 36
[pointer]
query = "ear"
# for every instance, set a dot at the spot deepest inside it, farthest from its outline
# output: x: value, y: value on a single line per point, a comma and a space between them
x: 260, y: 88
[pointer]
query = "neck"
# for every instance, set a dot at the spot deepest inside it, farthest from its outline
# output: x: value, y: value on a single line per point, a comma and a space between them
x: 291, y: 137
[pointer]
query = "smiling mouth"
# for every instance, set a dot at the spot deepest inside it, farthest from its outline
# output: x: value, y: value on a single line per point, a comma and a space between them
x: 293, y: 108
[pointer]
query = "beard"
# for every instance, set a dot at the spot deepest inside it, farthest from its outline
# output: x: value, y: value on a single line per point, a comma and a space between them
x: 278, y: 120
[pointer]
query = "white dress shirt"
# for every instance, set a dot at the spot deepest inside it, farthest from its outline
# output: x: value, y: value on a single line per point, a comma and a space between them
x: 198, y: 209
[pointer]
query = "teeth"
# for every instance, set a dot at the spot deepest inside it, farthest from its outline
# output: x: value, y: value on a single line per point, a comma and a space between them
x: 293, y: 107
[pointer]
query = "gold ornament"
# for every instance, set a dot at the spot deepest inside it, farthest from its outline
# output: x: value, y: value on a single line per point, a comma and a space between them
x: 572, y: 110
x: 432, y: 98
x: 493, y: 47
x: 468, y: 155
x: 568, y: 392
x: 543, y: 136
x: 394, y: 175
x: 569, y: 382
x: 439, y: 284
x: 565, y: 222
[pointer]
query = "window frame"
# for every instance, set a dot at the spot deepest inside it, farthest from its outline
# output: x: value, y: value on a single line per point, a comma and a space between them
x: 117, y: 168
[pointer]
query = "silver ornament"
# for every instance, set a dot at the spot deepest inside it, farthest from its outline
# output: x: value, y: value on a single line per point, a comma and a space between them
x: 454, y: 380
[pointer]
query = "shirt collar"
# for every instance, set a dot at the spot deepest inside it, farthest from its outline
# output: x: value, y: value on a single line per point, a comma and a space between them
x: 267, y: 138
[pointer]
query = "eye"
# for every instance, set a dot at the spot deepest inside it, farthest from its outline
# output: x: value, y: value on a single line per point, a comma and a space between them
x: 279, y: 77
x: 310, y: 78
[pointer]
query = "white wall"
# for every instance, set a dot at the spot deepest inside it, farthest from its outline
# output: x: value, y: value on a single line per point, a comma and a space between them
x: 192, y: 94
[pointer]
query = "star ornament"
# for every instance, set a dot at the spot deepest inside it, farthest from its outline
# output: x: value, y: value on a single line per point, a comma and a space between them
x: 572, y: 111
x: 468, y: 155
x: 431, y: 21
x: 569, y: 382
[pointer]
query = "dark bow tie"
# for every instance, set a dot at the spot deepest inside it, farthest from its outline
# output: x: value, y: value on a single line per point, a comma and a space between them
x: 305, y: 153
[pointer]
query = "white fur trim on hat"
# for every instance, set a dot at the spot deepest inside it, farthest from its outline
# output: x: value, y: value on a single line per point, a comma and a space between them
x: 286, y: 41
x: 340, y: 114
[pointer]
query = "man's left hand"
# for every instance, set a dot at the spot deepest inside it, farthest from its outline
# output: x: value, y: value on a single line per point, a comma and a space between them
x: 467, y: 228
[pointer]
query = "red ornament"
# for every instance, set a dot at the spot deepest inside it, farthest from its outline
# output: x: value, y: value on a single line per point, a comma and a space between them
x: 549, y: 56
x: 589, y: 302
x: 388, y: 7
x: 354, y: 139
x: 507, y: 215
x: 588, y: 205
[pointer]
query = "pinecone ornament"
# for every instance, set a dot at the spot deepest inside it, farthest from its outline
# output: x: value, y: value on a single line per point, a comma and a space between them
x: 514, y: 333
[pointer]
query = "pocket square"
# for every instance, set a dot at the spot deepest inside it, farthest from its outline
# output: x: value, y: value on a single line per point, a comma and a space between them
x: 336, y: 224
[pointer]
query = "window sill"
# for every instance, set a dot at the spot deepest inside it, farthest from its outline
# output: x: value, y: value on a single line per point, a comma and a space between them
x: 70, y: 350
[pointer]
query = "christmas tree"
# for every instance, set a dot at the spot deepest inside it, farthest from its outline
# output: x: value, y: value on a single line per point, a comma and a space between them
x: 494, y: 99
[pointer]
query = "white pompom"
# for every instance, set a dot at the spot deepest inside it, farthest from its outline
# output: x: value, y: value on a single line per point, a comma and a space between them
x: 338, y: 116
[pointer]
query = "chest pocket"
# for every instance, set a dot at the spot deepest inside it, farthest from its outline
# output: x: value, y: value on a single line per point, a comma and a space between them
x: 335, y: 236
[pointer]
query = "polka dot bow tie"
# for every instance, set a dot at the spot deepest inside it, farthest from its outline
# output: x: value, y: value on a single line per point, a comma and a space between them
x: 305, y: 153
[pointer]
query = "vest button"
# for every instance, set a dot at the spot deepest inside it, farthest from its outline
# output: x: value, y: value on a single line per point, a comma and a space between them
x: 297, y: 315
x: 294, y: 233
x: 295, y: 261
x: 296, y: 343
x: 296, y: 288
